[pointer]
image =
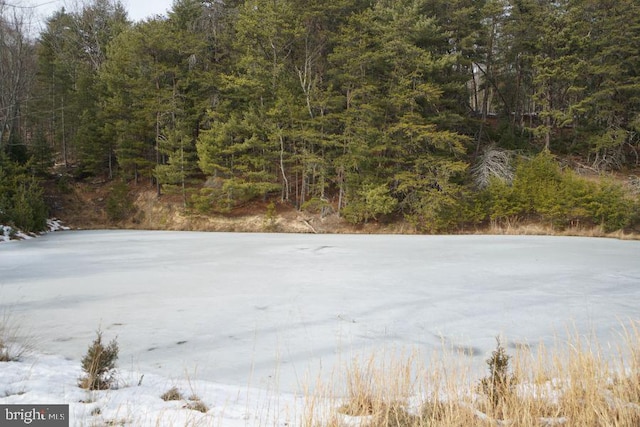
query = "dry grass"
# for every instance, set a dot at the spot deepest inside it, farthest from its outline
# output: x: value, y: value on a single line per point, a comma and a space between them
x: 572, y: 385
x: 14, y: 342
x: 172, y: 394
x: 524, y: 228
x: 195, y: 404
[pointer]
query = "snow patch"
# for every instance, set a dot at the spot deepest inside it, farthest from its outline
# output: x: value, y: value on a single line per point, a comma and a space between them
x: 9, y: 233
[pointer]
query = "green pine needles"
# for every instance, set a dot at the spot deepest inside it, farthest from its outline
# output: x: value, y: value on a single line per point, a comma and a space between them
x: 499, y: 385
x: 99, y: 364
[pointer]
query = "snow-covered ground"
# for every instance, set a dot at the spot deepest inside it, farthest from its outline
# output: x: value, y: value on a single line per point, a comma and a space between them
x: 8, y: 233
x: 247, y: 322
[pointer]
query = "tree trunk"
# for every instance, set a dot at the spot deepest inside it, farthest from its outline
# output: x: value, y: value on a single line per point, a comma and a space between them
x: 282, y: 170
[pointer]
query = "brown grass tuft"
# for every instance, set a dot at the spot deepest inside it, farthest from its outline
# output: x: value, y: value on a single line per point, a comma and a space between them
x: 172, y: 394
x: 195, y: 404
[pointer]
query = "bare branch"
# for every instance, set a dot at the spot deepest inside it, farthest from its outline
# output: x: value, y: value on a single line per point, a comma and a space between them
x: 493, y: 163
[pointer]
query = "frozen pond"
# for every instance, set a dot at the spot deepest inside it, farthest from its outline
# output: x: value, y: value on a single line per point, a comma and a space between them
x: 245, y: 309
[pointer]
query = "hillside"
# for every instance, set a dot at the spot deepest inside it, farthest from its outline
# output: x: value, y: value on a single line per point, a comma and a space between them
x: 83, y: 205
x: 426, y: 116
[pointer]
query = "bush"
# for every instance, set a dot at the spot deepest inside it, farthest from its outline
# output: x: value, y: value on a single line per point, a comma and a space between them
x: 119, y: 203
x: 29, y: 211
x: 437, y: 211
x: 370, y: 202
x: 21, y: 198
x: 610, y: 207
x: 543, y: 191
x: 317, y: 206
x: 99, y: 365
x: 270, y: 221
x: 499, y: 385
x: 536, y: 184
x: 223, y: 195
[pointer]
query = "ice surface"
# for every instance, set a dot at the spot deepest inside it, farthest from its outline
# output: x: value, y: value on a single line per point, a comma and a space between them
x: 269, y: 311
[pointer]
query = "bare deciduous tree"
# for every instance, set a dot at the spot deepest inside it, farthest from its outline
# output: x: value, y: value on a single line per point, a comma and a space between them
x: 17, y: 68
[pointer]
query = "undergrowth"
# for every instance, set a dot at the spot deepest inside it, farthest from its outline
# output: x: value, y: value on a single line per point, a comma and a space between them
x: 573, y: 385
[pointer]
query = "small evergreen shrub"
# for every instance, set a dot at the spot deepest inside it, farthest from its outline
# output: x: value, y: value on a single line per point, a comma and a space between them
x: 500, y: 383
x: 119, y: 203
x: 202, y: 201
x: 317, y: 206
x: 542, y: 191
x: 223, y: 195
x: 370, y: 202
x: 99, y: 364
x: 64, y: 184
x: 22, y: 201
x: 269, y: 222
x: 440, y: 211
x: 29, y: 209
x: 610, y: 207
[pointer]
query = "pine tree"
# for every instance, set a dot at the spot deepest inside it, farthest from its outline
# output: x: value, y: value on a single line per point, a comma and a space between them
x: 71, y: 53
x: 99, y: 364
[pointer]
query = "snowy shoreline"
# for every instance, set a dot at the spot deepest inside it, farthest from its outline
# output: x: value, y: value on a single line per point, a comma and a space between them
x: 10, y: 234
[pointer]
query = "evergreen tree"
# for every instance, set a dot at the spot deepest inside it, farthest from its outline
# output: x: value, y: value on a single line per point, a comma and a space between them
x: 392, y: 133
x: 71, y: 53
x: 608, y: 115
x: 21, y: 197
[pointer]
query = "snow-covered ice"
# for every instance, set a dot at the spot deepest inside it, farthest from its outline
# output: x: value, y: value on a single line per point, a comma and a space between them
x: 250, y: 317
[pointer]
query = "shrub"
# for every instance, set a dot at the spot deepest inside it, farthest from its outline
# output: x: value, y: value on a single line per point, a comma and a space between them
x: 370, y: 202
x: 541, y: 189
x: 21, y: 197
x: 500, y: 201
x: 318, y: 206
x: 64, y: 184
x: 99, y: 365
x: 536, y: 184
x: 499, y: 385
x: 269, y: 222
x: 201, y: 201
x: 223, y: 195
x: 438, y: 211
x: 119, y: 203
x: 29, y: 211
x: 237, y: 191
x: 611, y: 207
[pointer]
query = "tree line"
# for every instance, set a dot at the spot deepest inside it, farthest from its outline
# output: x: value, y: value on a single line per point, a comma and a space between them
x: 431, y: 110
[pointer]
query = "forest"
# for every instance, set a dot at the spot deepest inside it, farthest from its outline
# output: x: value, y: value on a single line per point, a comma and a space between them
x: 440, y: 113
